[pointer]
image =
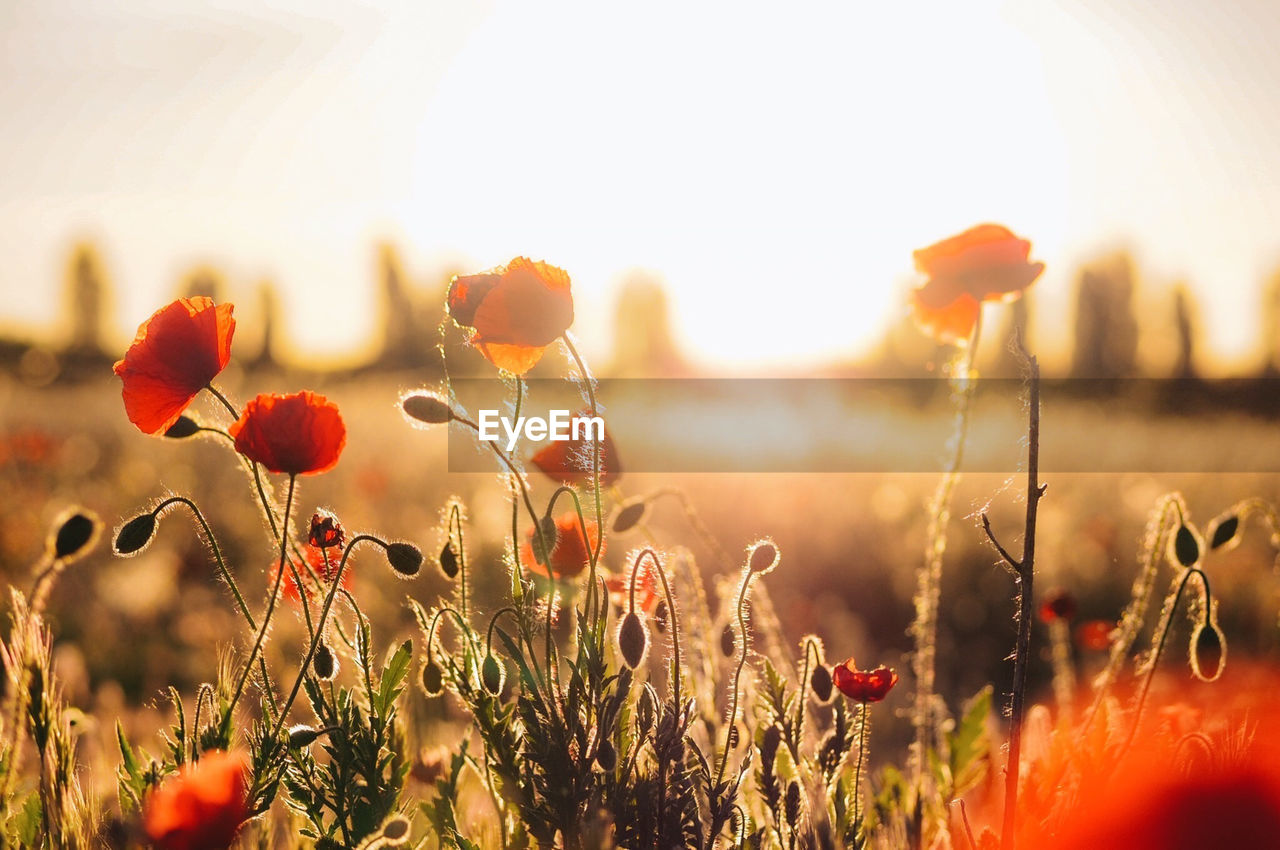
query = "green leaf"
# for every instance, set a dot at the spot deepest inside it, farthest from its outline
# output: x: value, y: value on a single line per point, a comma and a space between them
x: 393, y: 675
x: 969, y: 745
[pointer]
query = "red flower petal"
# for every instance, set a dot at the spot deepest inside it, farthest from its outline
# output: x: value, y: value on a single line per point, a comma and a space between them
x: 569, y: 461
x: 301, y: 434
x: 569, y: 556
x: 202, y: 806
x: 516, y: 311
x: 175, y: 354
x: 864, y: 685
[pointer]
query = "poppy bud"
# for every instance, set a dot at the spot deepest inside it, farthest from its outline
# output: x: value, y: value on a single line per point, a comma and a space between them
x: 1208, y: 652
x: 395, y: 831
x: 183, y: 428
x: 728, y: 642
x: 405, y: 559
x: 734, y: 737
x: 606, y: 756
x: 76, y: 532
x: 633, y: 640
x: 769, y: 744
x: 1058, y: 605
x: 645, y: 712
x: 1186, y: 546
x: 135, y: 534
x: 1223, y: 532
x: 449, y: 560
x: 660, y: 617
x: 326, y: 531
x: 492, y: 674
x: 426, y: 407
x: 324, y: 664
x: 550, y: 533
x: 303, y: 736
x: 432, y: 679
x: 629, y: 516
x: 793, y: 804
x: 821, y: 683
x: 764, y: 557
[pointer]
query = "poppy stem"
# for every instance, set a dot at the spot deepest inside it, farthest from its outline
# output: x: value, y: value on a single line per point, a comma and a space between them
x: 809, y: 645
x: 271, y: 603
x: 747, y: 575
x: 455, y: 519
x: 671, y: 610
x: 588, y: 383
x: 217, y: 551
x: 864, y: 720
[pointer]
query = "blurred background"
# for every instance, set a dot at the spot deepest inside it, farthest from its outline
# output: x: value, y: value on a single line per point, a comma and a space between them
x: 736, y: 190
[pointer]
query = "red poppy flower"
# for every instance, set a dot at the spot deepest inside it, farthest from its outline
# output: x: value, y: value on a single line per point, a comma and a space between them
x: 1058, y: 605
x: 202, y: 806
x: 516, y: 311
x: 301, y: 434
x: 176, y: 353
x: 648, y: 593
x: 323, y: 563
x: 864, y: 685
x: 1095, y: 635
x: 569, y: 556
x: 985, y: 263
x: 569, y: 461
x: 325, y: 530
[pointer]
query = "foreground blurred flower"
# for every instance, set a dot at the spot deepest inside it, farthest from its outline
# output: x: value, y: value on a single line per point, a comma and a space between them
x: 1095, y: 635
x: 648, y: 594
x: 318, y: 565
x: 1058, y: 605
x: 864, y: 685
x: 176, y: 353
x: 569, y: 461
x: 569, y: 554
x: 301, y: 434
x: 202, y: 806
x: 985, y: 263
x: 516, y: 311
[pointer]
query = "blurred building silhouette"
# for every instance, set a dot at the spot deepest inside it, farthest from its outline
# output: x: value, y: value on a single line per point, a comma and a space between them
x: 85, y: 293
x: 643, y: 344
x: 269, y: 318
x: 1184, y: 326
x: 204, y: 280
x: 1106, y: 329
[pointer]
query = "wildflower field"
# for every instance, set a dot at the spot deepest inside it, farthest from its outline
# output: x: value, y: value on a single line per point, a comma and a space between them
x: 244, y: 612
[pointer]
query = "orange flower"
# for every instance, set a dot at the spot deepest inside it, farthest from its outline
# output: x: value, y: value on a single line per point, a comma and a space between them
x: 1095, y: 635
x: 648, y: 594
x: 176, y: 353
x: 569, y: 555
x: 202, y: 806
x: 516, y: 311
x: 985, y: 263
x: 569, y: 461
x: 864, y: 685
x: 301, y: 434
x: 1058, y: 605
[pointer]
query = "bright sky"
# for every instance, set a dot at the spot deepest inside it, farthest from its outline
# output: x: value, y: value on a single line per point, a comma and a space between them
x: 776, y: 162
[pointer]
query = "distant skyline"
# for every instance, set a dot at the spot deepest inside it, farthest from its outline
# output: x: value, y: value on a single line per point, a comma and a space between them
x: 777, y: 168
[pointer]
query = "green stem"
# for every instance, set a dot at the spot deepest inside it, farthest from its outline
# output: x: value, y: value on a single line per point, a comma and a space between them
x: 595, y: 457
x: 671, y: 611
x: 747, y: 576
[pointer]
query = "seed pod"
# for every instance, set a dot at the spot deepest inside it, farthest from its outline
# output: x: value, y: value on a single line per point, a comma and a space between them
x: 821, y: 683
x: 75, y: 535
x: 629, y: 516
x: 1224, y: 532
x: 405, y: 559
x: 764, y: 557
x: 1186, y: 546
x: 432, y: 679
x: 606, y: 756
x: 793, y: 804
x: 395, y: 831
x: 426, y: 407
x: 449, y: 560
x: 135, y: 534
x: 1208, y: 652
x: 728, y: 642
x: 735, y: 737
x: 303, y: 736
x: 183, y: 428
x: 550, y: 536
x: 324, y: 663
x: 633, y: 640
x: 769, y: 744
x: 646, y: 711
x: 492, y: 674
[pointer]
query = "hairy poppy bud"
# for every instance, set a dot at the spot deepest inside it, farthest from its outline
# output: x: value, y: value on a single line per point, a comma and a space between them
x: 303, y: 736
x: 1224, y: 531
x: 1208, y: 652
x: 426, y: 407
x: 550, y: 533
x: 660, y: 617
x: 432, y: 679
x: 764, y: 557
x: 821, y: 683
x: 1186, y: 546
x: 606, y: 756
x: 728, y: 642
x: 793, y: 804
x: 629, y: 516
x: 324, y: 664
x: 75, y: 535
x: 646, y: 711
x: 769, y: 744
x: 183, y: 428
x: 735, y: 737
x: 405, y: 559
x: 395, y: 831
x: 326, y: 531
x: 135, y: 534
x: 492, y: 674
x: 633, y: 640
x: 449, y: 560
